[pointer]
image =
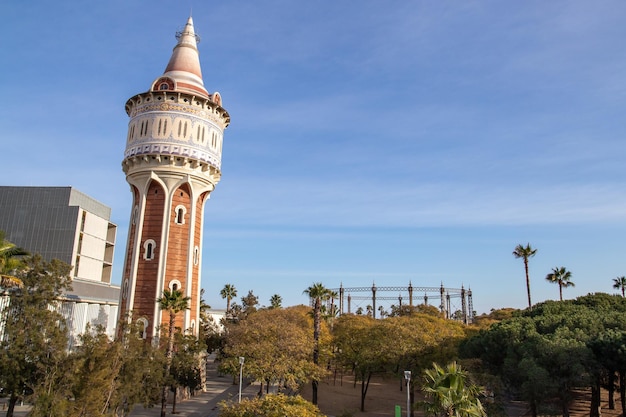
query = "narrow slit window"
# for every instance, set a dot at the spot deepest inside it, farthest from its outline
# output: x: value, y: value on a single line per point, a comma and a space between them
x: 179, y: 213
x: 149, y: 247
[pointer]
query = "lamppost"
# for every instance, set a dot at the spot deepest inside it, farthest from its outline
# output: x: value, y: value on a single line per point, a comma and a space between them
x: 241, y: 361
x: 407, y: 376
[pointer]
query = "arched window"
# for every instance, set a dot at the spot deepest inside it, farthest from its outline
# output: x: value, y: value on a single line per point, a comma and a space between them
x: 149, y: 247
x: 180, y: 212
x: 143, y: 328
x: 175, y: 285
x: 196, y: 255
x: 164, y: 86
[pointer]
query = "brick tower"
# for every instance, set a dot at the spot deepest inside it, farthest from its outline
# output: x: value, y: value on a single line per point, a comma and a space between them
x: 172, y: 163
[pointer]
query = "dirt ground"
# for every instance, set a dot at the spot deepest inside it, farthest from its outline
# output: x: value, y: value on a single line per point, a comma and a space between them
x: 339, y: 397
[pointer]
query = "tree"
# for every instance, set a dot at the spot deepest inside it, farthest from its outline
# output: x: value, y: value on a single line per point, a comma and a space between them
x: 608, y: 349
x: 449, y: 393
x: 270, y: 406
x: 210, y: 332
x: 10, y: 258
x: 35, y: 336
x: 228, y: 292
x: 185, y: 371
x: 620, y: 284
x: 249, y: 303
x: 333, y: 295
x: 546, y: 353
x: 276, y: 301
x: 96, y: 366
x: 363, y: 347
x: 317, y: 293
x: 560, y: 276
x: 276, y: 345
x: 172, y: 301
x: 525, y: 252
x: 141, y: 377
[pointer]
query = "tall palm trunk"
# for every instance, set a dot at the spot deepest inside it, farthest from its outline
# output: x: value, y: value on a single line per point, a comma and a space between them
x: 317, y: 313
x: 530, y: 305
x: 168, y: 361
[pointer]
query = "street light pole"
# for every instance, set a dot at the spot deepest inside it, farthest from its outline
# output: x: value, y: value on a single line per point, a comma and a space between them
x: 241, y: 361
x: 407, y: 376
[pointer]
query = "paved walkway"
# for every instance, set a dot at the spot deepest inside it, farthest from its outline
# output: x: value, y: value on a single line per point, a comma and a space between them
x: 218, y: 388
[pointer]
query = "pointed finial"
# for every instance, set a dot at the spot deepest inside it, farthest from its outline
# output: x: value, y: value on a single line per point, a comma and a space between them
x: 184, y: 64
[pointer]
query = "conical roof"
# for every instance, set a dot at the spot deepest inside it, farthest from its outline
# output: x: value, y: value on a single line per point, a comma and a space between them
x: 184, y: 65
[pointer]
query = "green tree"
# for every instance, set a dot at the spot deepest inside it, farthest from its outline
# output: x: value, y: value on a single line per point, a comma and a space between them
x: 525, y: 252
x: 141, y: 377
x: 450, y: 393
x: 185, y: 371
x: 276, y: 301
x: 96, y: 366
x: 35, y: 336
x: 210, y: 333
x: 273, y: 405
x: 609, y: 349
x: 562, y: 277
x: 545, y: 353
x: 172, y: 301
x: 317, y: 293
x: 10, y: 258
x: 249, y: 303
x: 620, y: 284
x: 228, y: 292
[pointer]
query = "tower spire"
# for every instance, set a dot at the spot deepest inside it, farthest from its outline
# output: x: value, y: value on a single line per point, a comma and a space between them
x: 184, y: 64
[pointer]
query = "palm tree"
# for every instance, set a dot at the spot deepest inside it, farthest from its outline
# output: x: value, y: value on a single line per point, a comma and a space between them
x: 173, y: 302
x: 449, y: 393
x: 332, y: 296
x: 620, y: 283
x: 10, y: 258
x: 276, y: 301
x: 525, y: 252
x: 228, y: 292
x: 562, y: 277
x: 317, y: 293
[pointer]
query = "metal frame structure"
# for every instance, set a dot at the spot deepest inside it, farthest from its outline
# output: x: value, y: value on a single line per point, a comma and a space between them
x: 443, y: 294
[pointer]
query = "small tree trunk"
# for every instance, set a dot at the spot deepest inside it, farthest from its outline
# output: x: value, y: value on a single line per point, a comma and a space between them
x: 163, y: 400
x: 12, y: 402
x: 594, y: 410
x: 565, y: 407
x: 622, y: 391
x: 364, y: 385
x: 174, y: 401
x: 314, y: 392
x: 611, y: 390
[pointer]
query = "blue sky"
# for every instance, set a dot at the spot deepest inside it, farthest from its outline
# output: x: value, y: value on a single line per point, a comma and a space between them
x: 370, y: 141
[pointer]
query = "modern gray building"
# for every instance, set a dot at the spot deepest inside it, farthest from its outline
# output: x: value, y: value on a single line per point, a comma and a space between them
x: 63, y: 223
